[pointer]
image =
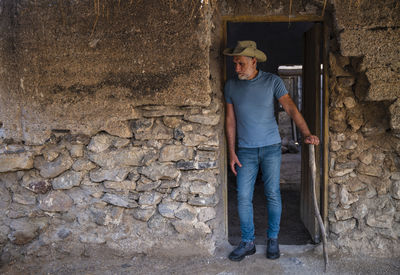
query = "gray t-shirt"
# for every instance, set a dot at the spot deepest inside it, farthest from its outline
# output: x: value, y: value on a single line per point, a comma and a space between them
x: 253, y: 102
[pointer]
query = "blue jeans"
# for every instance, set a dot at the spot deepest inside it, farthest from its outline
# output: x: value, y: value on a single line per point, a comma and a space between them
x: 269, y: 159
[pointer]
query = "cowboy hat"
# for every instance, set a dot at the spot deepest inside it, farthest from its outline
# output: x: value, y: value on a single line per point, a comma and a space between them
x: 246, y: 48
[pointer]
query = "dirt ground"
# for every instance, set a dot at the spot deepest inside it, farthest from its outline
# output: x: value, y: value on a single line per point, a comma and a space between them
x: 293, y: 260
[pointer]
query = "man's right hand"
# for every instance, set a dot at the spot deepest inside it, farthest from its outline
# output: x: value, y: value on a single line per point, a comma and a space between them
x: 234, y: 160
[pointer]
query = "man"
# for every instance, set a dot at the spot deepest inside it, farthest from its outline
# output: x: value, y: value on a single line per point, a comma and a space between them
x: 250, y: 115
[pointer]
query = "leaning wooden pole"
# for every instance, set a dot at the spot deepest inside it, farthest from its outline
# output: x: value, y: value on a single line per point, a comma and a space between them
x: 313, y: 170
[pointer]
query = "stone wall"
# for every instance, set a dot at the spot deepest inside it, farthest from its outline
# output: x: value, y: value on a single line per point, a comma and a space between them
x: 111, y: 136
x: 364, y: 194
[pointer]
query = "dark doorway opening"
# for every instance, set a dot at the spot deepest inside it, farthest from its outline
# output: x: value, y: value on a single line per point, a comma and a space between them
x: 283, y: 44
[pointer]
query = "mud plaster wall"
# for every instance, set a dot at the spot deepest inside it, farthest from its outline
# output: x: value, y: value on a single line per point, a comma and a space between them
x: 111, y: 136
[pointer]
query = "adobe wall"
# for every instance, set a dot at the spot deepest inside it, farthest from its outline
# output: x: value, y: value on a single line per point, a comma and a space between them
x: 110, y: 132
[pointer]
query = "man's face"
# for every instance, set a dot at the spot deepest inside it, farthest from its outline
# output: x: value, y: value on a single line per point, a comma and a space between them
x: 245, y: 67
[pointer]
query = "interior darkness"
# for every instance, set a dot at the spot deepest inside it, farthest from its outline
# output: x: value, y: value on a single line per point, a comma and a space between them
x: 283, y: 45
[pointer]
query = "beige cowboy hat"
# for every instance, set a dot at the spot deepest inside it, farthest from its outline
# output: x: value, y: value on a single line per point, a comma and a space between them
x: 246, y: 48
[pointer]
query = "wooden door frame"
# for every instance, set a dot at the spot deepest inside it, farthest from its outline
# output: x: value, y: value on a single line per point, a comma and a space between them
x: 325, y: 99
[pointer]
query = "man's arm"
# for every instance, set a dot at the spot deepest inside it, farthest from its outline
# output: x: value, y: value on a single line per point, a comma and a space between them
x: 231, y: 137
x: 294, y: 113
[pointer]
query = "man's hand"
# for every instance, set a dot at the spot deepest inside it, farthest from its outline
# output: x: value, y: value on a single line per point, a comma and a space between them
x: 311, y: 140
x: 234, y: 160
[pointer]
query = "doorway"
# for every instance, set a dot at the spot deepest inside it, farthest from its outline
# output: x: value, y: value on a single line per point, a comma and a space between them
x: 284, y: 45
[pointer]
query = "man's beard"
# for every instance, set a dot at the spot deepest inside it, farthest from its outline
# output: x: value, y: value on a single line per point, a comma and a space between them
x: 243, y: 76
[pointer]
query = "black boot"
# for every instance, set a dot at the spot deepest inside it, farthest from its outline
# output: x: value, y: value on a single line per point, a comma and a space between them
x: 244, y: 249
x: 273, y: 249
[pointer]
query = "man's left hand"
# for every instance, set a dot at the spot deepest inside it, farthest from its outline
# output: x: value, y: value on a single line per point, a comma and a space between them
x: 312, y: 140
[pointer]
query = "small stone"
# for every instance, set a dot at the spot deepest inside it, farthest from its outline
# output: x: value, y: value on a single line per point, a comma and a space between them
x: 145, y: 184
x: 119, y: 128
x: 360, y: 210
x: 350, y: 144
x: 335, y: 146
x: 203, y: 119
x: 123, y: 157
x: 395, y: 190
x: 150, y: 198
x: 346, y: 81
x: 175, y: 153
x: 15, y: 161
x: 100, y: 143
x: 26, y: 198
x: 203, y: 201
x: 342, y: 226
x: 157, y: 171
x: 202, y: 228
x: 63, y: 233
x: 67, y: 180
x: 182, y: 226
x: 83, y: 165
x: 180, y: 194
x: 120, y: 185
x: 167, y: 208
x: 51, y: 153
x: 340, y: 173
x: 356, y: 186
x: 346, y: 198
x: 366, y: 158
x: 192, y: 139
x: 395, y: 176
x: 165, y: 184
x: 103, y: 174
x: 349, y: 102
x: 370, y: 170
x: 205, y: 156
x: 23, y: 231
x: 202, y: 188
x: 76, y: 150
x: 195, y: 165
x: 52, y: 169
x: 172, y: 122
x: 92, y: 238
x: 343, y: 214
x: 143, y: 213
x: 56, y: 201
x: 119, y: 201
x: 206, y: 214
x: 381, y: 221
x: 185, y: 212
x: 39, y: 187
x: 178, y: 134
x: 158, y: 131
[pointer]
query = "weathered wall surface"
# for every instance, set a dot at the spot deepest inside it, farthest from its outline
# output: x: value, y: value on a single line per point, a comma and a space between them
x: 111, y: 139
x: 364, y: 142
x: 86, y: 68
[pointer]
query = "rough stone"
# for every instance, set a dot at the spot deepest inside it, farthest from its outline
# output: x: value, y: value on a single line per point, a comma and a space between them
x: 24, y: 197
x: 349, y: 102
x: 206, y: 214
x: 172, y: 122
x: 119, y: 201
x: 202, y: 188
x: 145, y: 184
x: 165, y: 184
x: 206, y: 176
x: 343, y: 214
x: 360, y: 210
x: 157, y: 131
x: 394, y: 110
x: 123, y: 157
x: 50, y: 153
x: 76, y: 150
x: 167, y: 208
x: 355, y: 119
x: 103, y: 141
x: 67, y: 180
x: 150, y: 198
x: 180, y: 194
x: 52, y: 169
x: 203, y: 201
x: 178, y: 134
x: 115, y: 174
x: 196, y: 165
x: 342, y: 226
x: 203, y: 119
x: 350, y: 144
x: 56, y: 201
x: 335, y: 146
x: 202, y: 228
x: 192, y: 139
x: 185, y: 212
x: 340, y: 173
x: 366, y: 158
x: 83, y: 165
x: 143, y: 213
x: 157, y: 171
x: 182, y: 226
x: 120, y: 185
x: 107, y: 216
x: 91, y: 238
x: 370, y: 170
x: 16, y: 161
x: 162, y: 111
x: 23, y: 231
x: 346, y: 198
x: 175, y: 153
x: 395, y: 190
x: 33, y: 182
x: 395, y: 176
x: 380, y: 221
